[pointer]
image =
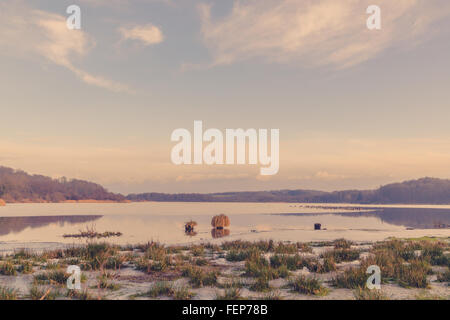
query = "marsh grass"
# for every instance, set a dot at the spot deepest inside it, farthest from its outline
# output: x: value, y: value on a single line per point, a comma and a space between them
x: 199, y: 278
x: 51, y: 277
x: 159, y: 266
x: 278, y: 267
x: 7, y: 268
x: 308, y: 285
x: 366, y: 294
x: 295, y: 262
x: 259, y: 267
x: 231, y: 283
x: 266, y: 246
x: 242, y: 254
x: 116, y: 262
x: 156, y: 251
x: 405, y: 263
x: 341, y: 255
x: 161, y: 288
x: 304, y: 247
x: 263, y: 246
x: 414, y: 274
x: 7, y: 293
x: 272, y: 295
x: 142, y: 264
x: 53, y: 266
x: 229, y: 294
x: 79, y: 295
x: 198, y: 251
x: 104, y: 283
x: 183, y: 293
x: 282, y: 272
x: 444, y: 276
x: 261, y: 284
x: 26, y: 267
x: 48, y: 293
x: 388, y: 261
x: 328, y: 265
x: 350, y: 279
x: 23, y: 254
x: 168, y: 289
x: 283, y: 248
x: 201, y: 262
x: 342, y: 244
x: 397, y: 262
x: 442, y: 260
x: 149, y: 266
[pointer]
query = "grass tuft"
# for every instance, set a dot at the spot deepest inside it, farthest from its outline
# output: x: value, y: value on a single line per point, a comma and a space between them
x: 307, y: 285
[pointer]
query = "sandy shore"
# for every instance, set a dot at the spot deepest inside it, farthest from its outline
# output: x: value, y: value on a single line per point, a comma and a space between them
x: 224, y: 271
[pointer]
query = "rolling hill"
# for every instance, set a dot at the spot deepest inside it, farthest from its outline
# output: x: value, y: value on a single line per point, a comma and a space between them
x: 19, y: 186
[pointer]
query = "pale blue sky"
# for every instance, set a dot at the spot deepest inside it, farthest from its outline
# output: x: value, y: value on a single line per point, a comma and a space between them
x: 373, y: 113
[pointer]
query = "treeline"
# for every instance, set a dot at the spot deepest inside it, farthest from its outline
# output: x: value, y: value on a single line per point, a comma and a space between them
x: 258, y: 196
x: 422, y: 191
x: 19, y: 186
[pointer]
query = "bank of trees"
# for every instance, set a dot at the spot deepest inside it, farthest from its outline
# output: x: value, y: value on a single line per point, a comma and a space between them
x: 426, y: 190
x: 18, y: 186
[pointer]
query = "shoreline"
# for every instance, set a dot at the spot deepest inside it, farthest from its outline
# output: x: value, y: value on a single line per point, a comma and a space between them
x: 234, y: 270
x: 66, y: 201
x: 306, y: 205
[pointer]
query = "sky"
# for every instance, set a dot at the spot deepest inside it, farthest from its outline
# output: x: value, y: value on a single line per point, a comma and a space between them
x: 356, y: 108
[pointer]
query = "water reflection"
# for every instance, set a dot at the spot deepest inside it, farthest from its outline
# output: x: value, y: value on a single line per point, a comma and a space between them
x: 415, y: 218
x: 220, y: 233
x: 166, y: 222
x: 17, y: 224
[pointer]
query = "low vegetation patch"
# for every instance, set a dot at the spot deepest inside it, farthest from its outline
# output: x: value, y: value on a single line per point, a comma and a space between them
x: 162, y: 288
x: 48, y: 293
x: 414, y: 274
x: 165, y: 288
x: 350, y: 279
x: 366, y: 294
x: 52, y: 277
x: 199, y: 278
x: 341, y: 255
x: 342, y: 244
x: 7, y: 293
x: 445, y: 276
x: 7, y: 269
x: 229, y: 294
x: 242, y: 254
x: 26, y: 267
x: 308, y: 285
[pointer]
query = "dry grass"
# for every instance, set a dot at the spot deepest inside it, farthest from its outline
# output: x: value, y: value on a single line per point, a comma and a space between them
x: 366, y: 294
x: 308, y: 285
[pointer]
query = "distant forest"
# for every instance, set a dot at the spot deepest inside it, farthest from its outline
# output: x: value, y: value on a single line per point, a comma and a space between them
x: 422, y: 191
x: 19, y: 186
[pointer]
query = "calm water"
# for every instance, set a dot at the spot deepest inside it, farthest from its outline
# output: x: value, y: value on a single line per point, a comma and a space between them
x: 43, y: 225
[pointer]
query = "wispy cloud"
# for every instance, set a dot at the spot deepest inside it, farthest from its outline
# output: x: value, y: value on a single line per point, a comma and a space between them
x: 146, y: 34
x: 315, y: 32
x: 34, y: 33
x: 121, y: 3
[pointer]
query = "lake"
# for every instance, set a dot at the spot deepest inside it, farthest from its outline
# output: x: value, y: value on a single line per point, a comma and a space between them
x: 42, y: 225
